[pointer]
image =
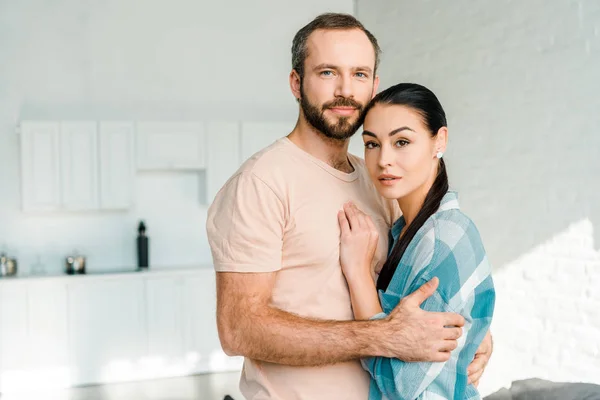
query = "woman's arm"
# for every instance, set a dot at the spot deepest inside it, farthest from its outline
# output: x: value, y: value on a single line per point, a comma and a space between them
x: 474, y: 299
x: 397, y: 379
x: 363, y: 293
x: 359, y: 238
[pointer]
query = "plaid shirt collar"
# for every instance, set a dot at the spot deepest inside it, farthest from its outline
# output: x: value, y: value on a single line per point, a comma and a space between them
x: 449, y: 202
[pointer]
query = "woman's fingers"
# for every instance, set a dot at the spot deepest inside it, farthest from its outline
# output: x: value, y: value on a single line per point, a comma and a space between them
x: 477, y: 366
x: 343, y: 221
x: 359, y: 216
x: 475, y: 376
x: 352, y: 216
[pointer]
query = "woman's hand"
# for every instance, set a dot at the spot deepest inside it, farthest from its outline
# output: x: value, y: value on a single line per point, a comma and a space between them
x: 358, y: 242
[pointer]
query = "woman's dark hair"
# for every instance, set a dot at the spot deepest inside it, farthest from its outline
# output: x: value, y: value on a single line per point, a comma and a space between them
x: 424, y: 102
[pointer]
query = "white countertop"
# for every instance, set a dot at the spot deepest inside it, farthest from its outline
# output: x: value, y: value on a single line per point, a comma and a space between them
x: 109, y: 274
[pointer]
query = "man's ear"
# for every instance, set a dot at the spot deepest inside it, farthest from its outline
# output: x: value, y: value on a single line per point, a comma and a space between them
x: 295, y: 84
x: 375, y: 85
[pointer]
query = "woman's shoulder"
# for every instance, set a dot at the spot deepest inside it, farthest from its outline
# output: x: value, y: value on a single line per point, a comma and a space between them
x: 451, y: 224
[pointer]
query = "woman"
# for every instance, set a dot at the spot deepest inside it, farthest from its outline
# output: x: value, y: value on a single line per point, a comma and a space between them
x: 405, y: 136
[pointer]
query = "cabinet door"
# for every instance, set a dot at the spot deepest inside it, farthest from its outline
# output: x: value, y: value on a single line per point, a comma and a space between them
x: 79, y: 159
x: 223, y: 155
x: 116, y: 165
x: 170, y: 145
x: 165, y: 323
x: 47, y: 325
x: 14, y: 343
x: 258, y: 135
x: 107, y: 338
x: 202, y: 346
x: 40, y: 166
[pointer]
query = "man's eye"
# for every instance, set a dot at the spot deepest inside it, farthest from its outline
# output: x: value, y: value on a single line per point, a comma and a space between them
x: 326, y: 73
x: 361, y: 75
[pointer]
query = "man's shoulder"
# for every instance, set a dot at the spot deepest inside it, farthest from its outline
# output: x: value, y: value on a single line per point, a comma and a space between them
x: 270, y: 161
x: 263, y: 172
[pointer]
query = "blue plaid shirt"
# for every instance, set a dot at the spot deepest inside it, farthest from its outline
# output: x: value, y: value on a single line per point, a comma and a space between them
x: 447, y: 246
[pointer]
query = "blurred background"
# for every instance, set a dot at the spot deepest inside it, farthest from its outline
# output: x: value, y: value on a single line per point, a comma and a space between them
x: 116, y: 112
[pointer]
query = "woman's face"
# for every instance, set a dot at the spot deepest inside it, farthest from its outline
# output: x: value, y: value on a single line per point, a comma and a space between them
x: 400, y: 153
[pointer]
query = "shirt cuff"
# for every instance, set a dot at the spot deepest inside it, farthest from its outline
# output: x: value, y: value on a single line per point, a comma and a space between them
x: 381, y: 315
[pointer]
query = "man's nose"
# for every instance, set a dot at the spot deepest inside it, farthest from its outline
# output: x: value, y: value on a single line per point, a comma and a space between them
x: 344, y: 87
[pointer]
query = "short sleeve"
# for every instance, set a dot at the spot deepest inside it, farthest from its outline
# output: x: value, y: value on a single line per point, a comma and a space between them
x: 245, y: 226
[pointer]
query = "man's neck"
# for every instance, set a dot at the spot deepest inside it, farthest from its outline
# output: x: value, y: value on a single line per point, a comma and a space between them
x: 333, y: 152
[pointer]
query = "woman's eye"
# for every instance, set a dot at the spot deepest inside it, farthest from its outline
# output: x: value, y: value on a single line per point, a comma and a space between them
x: 401, y: 143
x: 370, y: 145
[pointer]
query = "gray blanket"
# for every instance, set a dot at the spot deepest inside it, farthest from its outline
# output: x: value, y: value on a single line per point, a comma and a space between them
x: 539, y: 389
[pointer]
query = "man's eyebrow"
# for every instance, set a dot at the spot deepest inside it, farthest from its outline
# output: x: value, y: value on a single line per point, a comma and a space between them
x: 331, y: 66
x: 364, y: 68
x: 325, y: 66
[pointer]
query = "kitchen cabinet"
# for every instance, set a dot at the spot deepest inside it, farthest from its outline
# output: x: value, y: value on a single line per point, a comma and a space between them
x: 201, y: 338
x: 223, y: 156
x: 47, y: 333
x: 33, y: 335
x: 106, y: 330
x: 83, y: 329
x: 164, y: 316
x: 117, y: 166
x: 14, y: 347
x: 79, y: 165
x: 40, y: 166
x: 171, y: 146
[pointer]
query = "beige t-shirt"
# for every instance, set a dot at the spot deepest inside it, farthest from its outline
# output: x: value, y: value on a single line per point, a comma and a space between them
x: 279, y: 213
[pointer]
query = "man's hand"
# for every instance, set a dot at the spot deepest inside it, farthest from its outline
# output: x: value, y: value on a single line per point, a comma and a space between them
x: 482, y: 357
x: 413, y: 334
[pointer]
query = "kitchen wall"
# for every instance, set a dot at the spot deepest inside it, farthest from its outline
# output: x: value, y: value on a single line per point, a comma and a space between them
x: 137, y: 60
x: 520, y: 83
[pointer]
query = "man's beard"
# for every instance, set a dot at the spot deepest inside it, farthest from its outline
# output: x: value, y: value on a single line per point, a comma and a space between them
x: 341, y: 130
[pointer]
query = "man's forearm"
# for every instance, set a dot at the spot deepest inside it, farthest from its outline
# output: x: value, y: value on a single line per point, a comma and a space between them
x: 277, y: 336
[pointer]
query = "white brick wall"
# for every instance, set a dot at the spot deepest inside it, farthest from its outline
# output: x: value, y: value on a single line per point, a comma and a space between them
x: 520, y: 82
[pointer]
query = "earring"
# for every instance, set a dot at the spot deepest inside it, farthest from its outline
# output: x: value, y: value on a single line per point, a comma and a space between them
x: 439, y: 154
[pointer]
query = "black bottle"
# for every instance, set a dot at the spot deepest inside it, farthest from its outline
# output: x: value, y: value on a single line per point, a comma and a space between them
x: 142, y: 247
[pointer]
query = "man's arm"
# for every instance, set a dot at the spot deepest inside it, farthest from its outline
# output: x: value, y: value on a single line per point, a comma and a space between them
x: 250, y: 326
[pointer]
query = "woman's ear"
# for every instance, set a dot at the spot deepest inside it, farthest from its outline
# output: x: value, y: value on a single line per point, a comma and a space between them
x: 441, y: 140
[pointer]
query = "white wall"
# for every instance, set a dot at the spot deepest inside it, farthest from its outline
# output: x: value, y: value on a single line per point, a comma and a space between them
x: 141, y: 60
x: 520, y: 83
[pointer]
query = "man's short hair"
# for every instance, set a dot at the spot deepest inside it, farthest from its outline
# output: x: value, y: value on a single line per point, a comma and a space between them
x: 329, y: 21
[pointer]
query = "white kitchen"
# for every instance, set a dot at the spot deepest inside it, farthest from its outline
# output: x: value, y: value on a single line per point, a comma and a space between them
x: 116, y: 114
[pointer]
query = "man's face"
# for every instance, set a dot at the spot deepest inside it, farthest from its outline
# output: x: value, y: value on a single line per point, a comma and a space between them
x: 338, y: 81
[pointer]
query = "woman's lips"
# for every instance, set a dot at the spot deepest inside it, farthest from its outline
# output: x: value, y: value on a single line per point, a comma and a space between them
x: 388, y: 180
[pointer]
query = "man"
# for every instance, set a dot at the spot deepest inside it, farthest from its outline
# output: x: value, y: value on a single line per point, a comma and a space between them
x: 282, y: 300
